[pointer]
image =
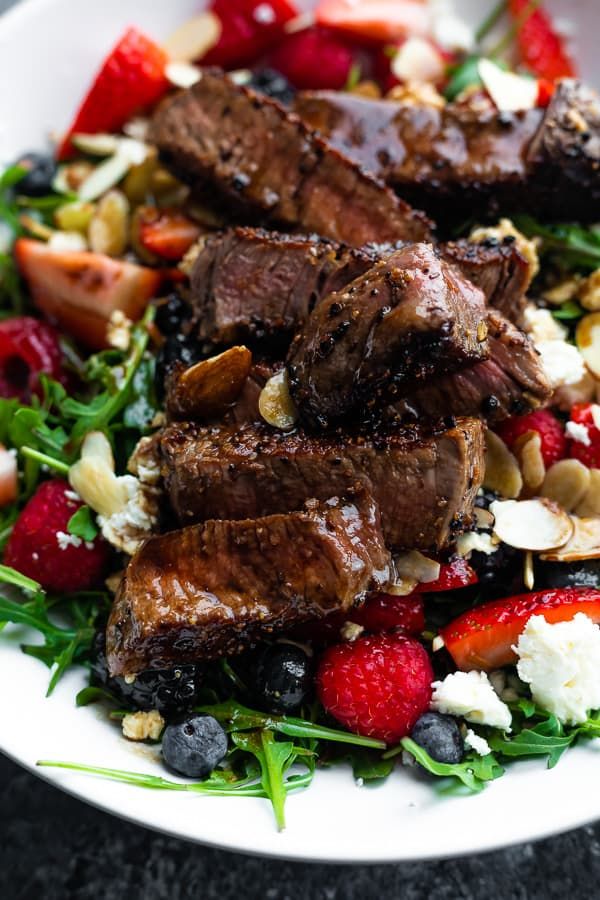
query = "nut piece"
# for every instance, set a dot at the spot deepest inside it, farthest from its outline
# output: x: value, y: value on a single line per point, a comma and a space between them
x: 194, y: 38
x: 566, y: 483
x: 209, y: 387
x: 531, y: 524
x: 563, y: 291
x: 109, y: 228
x: 502, y: 473
x: 590, y: 504
x: 275, y: 402
x: 414, y: 566
x: 93, y: 476
x: 528, y: 451
x: 589, y: 292
x: 584, y: 543
x: 74, y: 216
x: 143, y: 726
x: 587, y: 338
x: 417, y: 93
x: 183, y: 74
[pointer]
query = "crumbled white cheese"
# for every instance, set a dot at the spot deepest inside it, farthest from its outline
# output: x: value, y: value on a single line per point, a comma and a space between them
x: 449, y: 31
x: 67, y: 540
x: 561, y: 664
x: 578, y: 432
x: 144, y: 463
x: 481, y: 541
x: 134, y: 522
x: 73, y: 495
x: 562, y: 362
x: 509, y: 91
x: 471, y: 696
x: 118, y: 332
x: 477, y: 743
x: 143, y: 726
x: 541, y: 325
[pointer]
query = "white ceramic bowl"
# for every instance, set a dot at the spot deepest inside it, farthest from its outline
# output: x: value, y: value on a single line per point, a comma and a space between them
x: 48, y: 52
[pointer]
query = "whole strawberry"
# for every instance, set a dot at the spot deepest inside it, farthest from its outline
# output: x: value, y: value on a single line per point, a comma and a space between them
x: 549, y: 428
x: 376, y: 686
x: 41, y: 547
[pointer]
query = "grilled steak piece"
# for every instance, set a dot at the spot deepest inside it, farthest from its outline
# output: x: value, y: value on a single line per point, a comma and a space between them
x: 248, y: 284
x: 424, y: 483
x: 408, y: 318
x: 456, y: 159
x: 511, y: 382
x: 210, y: 590
x: 268, y: 165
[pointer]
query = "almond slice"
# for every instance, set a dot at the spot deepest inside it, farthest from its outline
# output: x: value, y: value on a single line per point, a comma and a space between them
x: 194, y: 38
x: 275, y: 403
x: 209, y: 387
x: 414, y: 566
x: 583, y: 544
x: 183, y: 74
x: 502, y: 473
x: 528, y: 451
x: 590, y: 504
x: 531, y: 524
x: 587, y: 338
x: 566, y: 483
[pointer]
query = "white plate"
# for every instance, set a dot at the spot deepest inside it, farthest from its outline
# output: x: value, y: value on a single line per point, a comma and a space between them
x: 48, y: 51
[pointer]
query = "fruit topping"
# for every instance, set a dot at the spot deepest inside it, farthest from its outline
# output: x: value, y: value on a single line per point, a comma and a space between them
x: 440, y: 736
x: 41, y: 169
x: 547, y: 426
x: 28, y: 348
x: 385, y: 612
x: 313, y: 59
x: 584, y: 433
x: 248, y: 29
x: 195, y: 746
x: 282, y: 678
x: 542, y: 48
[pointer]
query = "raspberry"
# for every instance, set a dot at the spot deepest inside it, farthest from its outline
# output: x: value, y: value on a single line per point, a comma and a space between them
x: 588, y: 454
x: 550, y: 430
x: 313, y: 59
x: 376, y: 686
x: 384, y: 612
x: 41, y: 547
x: 28, y: 348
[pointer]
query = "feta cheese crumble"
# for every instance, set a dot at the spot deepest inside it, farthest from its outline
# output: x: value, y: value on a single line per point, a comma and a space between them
x: 578, y: 432
x: 471, y: 696
x: 477, y: 743
x: 561, y: 664
x: 541, y: 325
x: 562, y: 362
x: 67, y: 540
x: 143, y: 726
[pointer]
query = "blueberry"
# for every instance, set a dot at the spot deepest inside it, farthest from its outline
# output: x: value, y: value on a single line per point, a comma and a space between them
x: 195, y: 746
x: 282, y: 678
x: 41, y: 169
x: 501, y: 571
x: 440, y: 736
x: 584, y: 573
x: 170, y: 313
x: 273, y: 84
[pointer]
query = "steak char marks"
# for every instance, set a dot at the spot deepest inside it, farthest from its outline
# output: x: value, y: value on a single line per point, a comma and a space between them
x: 423, y: 483
x: 212, y: 590
x: 267, y: 165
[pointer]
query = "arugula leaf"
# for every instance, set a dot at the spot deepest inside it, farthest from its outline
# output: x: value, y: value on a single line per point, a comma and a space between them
x: 568, y: 311
x: 463, y: 76
x: 545, y: 739
x: 8, y: 575
x: 82, y: 524
x: 369, y: 765
x: 274, y: 758
x: 473, y: 772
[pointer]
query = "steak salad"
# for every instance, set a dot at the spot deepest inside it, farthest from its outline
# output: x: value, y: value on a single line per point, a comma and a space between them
x: 299, y: 371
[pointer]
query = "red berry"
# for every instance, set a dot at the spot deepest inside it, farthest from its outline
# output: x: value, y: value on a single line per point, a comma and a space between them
x: 588, y: 454
x: 550, y: 430
x: 542, y: 48
x: 28, y: 348
x: 376, y: 686
x: 384, y: 612
x: 453, y: 575
x: 41, y: 547
x: 314, y: 59
x: 248, y: 29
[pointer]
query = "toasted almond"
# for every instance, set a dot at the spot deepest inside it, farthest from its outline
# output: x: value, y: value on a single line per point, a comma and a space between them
x: 510, y: 92
x: 587, y: 338
x: 275, y: 402
x: 483, y: 517
x: 563, y: 291
x: 194, y: 38
x: 367, y: 89
x: 583, y: 544
x: 402, y: 587
x: 566, y: 483
x: 589, y: 505
x: 209, y: 387
x: 528, y: 574
x: 110, y: 172
x: 109, y: 228
x: 528, y: 451
x: 75, y: 216
x: 416, y: 93
x: 502, y: 472
x: 137, y: 183
x: 414, y: 566
x: 93, y: 476
x: 589, y: 292
x: 531, y: 524
x: 96, y: 144
x: 183, y: 74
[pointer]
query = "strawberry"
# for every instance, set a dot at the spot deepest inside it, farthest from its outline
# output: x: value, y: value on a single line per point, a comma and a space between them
x: 81, y: 290
x: 167, y: 233
x: 313, y: 59
x: 41, y: 547
x: 483, y: 638
x: 385, y: 612
x: 376, y: 20
x: 453, y: 575
x: 586, y: 451
x: 549, y: 428
x: 9, y: 479
x: 248, y: 29
x: 542, y: 49
x: 28, y: 348
x: 131, y: 79
x: 376, y: 686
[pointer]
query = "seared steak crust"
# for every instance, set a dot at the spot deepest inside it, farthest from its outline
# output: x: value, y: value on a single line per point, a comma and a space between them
x: 211, y: 590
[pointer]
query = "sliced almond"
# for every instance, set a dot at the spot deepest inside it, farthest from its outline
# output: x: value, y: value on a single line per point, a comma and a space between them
x: 113, y: 169
x: 528, y: 573
x: 275, y: 402
x: 528, y: 451
x: 587, y: 337
x: 589, y: 505
x: 183, y: 74
x: 402, y: 587
x: 589, y: 292
x: 414, y: 566
x: 566, y: 483
x: 194, y: 38
x: 531, y: 524
x: 509, y: 92
x: 563, y: 291
x: 209, y: 387
x: 583, y: 544
x: 96, y: 144
x: 502, y: 472
x: 108, y: 231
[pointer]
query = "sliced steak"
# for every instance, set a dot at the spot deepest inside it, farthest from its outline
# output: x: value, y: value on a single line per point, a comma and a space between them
x: 408, y: 318
x: 424, y: 483
x: 268, y: 165
x: 455, y: 161
x: 211, y: 590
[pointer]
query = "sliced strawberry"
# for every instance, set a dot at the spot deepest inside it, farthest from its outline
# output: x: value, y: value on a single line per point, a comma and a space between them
x: 80, y: 290
x: 385, y: 612
x: 167, y: 233
x: 131, y: 79
x: 549, y: 428
x: 545, y: 92
x: 542, y: 48
x: 453, y: 575
x: 482, y: 638
x: 379, y: 20
x: 313, y: 59
x: 28, y: 349
x: 586, y: 446
x: 248, y: 29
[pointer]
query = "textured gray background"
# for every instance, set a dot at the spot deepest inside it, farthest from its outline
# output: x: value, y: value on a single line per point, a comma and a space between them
x: 55, y: 848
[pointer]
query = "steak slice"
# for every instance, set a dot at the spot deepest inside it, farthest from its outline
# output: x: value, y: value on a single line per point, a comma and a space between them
x: 211, y: 590
x: 267, y: 164
x: 408, y: 318
x: 456, y: 160
x: 424, y: 483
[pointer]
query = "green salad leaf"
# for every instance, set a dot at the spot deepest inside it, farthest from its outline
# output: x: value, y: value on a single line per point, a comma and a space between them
x: 473, y: 772
x: 82, y: 524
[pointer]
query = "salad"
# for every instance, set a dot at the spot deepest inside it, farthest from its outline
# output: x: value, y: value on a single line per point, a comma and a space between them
x: 299, y: 367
